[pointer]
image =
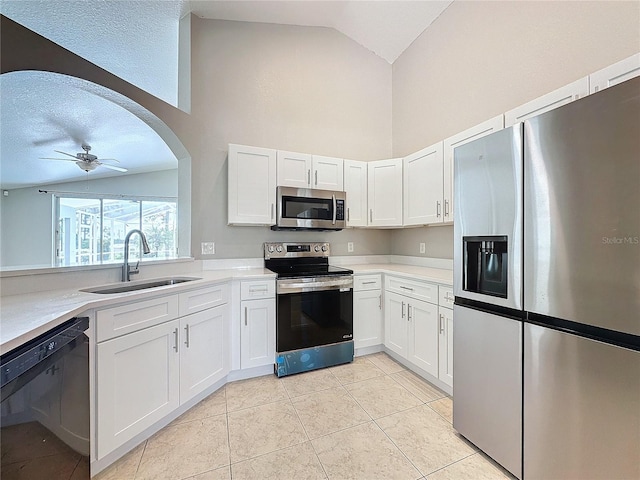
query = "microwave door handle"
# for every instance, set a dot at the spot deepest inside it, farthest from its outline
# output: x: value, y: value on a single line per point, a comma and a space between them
x: 333, y: 198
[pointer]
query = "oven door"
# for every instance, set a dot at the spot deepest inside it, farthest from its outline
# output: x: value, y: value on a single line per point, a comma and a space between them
x: 314, y: 311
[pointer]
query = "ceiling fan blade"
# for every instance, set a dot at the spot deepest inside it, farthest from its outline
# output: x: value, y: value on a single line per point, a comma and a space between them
x: 61, y: 159
x: 111, y: 167
x: 109, y: 160
x: 65, y: 153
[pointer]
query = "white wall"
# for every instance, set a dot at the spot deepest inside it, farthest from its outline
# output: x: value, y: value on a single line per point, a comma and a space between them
x: 26, y: 233
x: 482, y: 58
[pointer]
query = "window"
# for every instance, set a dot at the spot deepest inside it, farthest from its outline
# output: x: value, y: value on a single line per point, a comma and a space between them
x: 91, y: 230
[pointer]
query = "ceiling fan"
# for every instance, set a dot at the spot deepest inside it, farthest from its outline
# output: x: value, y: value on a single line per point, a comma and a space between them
x: 87, y: 161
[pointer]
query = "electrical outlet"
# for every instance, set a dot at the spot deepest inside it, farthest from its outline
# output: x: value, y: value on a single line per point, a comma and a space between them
x: 350, y: 247
x: 423, y: 247
x: 208, y: 248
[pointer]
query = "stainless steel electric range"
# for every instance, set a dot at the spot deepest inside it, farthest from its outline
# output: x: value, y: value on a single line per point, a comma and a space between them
x: 314, y: 307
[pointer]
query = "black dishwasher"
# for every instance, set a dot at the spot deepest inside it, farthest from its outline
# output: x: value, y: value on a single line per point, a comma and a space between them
x: 44, y: 387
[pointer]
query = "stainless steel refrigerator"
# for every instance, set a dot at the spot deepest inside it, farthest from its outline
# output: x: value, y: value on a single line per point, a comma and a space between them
x: 580, y: 339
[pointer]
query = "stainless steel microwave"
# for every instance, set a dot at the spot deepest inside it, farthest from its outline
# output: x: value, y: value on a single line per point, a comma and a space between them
x: 308, y: 209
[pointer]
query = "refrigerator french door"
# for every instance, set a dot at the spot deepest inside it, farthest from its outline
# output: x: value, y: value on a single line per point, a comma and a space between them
x: 487, y: 336
x: 582, y: 288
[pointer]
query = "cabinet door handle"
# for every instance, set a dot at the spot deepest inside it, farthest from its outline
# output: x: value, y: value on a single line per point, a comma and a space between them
x: 347, y: 214
x: 380, y: 302
x: 245, y: 316
x: 446, y: 208
x: 402, y: 309
x: 186, y: 336
x: 175, y: 339
x: 408, y: 312
x: 308, y: 177
x: 406, y: 288
x: 371, y: 214
x: 369, y: 283
x: 441, y: 323
x: 316, y: 178
x: 437, y: 209
x: 272, y: 205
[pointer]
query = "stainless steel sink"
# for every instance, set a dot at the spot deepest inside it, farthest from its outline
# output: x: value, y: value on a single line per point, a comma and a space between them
x: 140, y: 285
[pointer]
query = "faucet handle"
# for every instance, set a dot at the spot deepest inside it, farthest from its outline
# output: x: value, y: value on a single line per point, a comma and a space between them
x: 134, y: 270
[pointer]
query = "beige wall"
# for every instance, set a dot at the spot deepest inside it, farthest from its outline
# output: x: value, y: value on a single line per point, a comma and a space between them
x: 303, y: 89
x: 482, y: 58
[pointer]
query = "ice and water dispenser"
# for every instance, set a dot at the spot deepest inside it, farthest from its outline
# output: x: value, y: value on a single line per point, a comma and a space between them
x: 485, y: 265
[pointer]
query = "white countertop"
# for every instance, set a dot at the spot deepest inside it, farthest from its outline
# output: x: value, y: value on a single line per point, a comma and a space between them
x: 427, y: 274
x: 24, y: 317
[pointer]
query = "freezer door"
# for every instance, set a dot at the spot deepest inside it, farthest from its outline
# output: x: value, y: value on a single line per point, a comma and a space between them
x: 582, y: 219
x: 487, y: 384
x: 581, y: 408
x: 488, y: 207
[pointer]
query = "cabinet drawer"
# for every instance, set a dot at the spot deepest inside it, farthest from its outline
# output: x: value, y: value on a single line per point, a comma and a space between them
x: 113, y: 322
x: 445, y: 296
x: 255, y: 289
x: 366, y: 282
x: 203, y: 298
x: 414, y: 289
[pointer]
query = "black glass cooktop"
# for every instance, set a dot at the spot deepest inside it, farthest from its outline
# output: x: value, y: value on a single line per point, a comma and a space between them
x: 305, y: 269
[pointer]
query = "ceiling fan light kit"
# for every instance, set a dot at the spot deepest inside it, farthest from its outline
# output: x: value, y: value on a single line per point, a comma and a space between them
x: 87, y: 161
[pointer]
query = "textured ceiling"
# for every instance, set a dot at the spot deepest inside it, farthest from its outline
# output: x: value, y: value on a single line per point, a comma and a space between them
x: 62, y: 117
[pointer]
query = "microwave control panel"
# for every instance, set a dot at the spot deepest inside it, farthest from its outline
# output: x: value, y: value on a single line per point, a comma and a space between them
x: 339, y: 209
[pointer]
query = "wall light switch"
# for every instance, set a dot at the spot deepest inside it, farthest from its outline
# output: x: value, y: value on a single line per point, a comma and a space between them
x: 208, y: 248
x: 423, y: 247
x: 349, y: 247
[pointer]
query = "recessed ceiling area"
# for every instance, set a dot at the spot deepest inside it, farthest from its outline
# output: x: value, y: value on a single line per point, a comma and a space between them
x: 61, y: 115
x: 386, y: 28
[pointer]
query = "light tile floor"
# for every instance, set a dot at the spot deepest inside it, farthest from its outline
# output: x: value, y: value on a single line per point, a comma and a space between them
x: 371, y: 419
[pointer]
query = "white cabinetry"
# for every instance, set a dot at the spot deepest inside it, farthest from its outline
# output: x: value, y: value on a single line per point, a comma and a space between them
x: 294, y: 169
x: 445, y: 335
x: 385, y: 193
x: 367, y: 311
x: 473, y: 133
x: 545, y: 103
x: 137, y: 383
x: 252, y: 185
x: 422, y: 186
x: 144, y: 374
x: 258, y: 327
x: 355, y: 185
x: 411, y: 322
x: 614, y: 74
x: 301, y: 170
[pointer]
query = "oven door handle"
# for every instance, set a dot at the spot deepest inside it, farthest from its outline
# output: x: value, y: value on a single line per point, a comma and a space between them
x: 295, y: 285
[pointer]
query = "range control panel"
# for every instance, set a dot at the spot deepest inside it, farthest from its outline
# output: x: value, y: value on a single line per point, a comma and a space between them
x: 296, y: 250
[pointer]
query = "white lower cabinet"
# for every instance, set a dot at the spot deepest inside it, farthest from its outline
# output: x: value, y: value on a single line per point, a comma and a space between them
x: 144, y: 375
x: 418, y: 326
x: 367, y: 311
x: 445, y: 345
x: 204, y: 351
x: 257, y: 336
x: 137, y: 383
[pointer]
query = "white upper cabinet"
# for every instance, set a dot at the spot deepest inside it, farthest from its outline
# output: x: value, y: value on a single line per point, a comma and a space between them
x: 485, y: 128
x: 422, y: 186
x: 614, y: 74
x: 302, y: 170
x: 252, y: 185
x: 385, y: 193
x: 327, y: 173
x: 355, y: 184
x: 294, y: 169
x: 555, y: 99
